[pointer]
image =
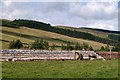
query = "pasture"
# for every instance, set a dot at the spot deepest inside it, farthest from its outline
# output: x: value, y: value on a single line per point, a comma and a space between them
x: 28, y: 35
x: 61, y: 69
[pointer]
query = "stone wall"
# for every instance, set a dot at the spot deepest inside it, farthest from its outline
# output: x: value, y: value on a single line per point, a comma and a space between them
x: 108, y: 55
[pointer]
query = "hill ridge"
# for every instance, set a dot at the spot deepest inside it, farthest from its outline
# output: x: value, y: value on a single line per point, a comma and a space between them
x: 62, y: 31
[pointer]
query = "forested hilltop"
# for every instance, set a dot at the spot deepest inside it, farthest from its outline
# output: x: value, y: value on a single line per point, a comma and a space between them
x: 78, y: 33
x: 67, y: 32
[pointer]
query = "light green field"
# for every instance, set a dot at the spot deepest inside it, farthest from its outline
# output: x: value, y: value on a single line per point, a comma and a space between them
x: 28, y: 35
x: 61, y: 69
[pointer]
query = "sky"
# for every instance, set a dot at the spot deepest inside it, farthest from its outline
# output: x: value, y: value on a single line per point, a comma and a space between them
x: 102, y: 14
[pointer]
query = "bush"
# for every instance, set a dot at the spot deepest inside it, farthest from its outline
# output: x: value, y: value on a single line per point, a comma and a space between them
x: 68, y: 47
x: 102, y: 48
x: 40, y: 44
x: 91, y: 48
x: 63, y: 47
x: 85, y: 46
x: 53, y: 47
x: 15, y: 44
x: 116, y: 48
x: 107, y: 48
x: 77, y: 46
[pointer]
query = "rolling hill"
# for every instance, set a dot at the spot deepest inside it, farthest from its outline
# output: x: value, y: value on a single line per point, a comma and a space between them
x: 98, y: 32
x: 28, y: 31
x: 28, y: 35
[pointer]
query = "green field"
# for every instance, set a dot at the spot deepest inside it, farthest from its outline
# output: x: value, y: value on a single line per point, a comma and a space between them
x: 61, y: 69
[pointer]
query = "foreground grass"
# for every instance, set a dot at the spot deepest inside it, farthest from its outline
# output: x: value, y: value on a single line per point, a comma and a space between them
x: 61, y: 69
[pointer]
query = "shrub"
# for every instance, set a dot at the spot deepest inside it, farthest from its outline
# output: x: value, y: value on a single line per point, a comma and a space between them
x: 15, y: 44
x: 40, y: 44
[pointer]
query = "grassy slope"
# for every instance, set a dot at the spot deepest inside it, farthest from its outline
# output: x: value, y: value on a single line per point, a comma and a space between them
x: 94, y: 32
x: 49, y: 36
x: 61, y: 69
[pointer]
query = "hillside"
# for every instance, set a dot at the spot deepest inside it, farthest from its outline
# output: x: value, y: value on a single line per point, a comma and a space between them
x: 28, y: 35
x: 67, y: 32
x: 112, y: 35
x: 28, y: 31
x: 101, y: 30
x: 98, y: 32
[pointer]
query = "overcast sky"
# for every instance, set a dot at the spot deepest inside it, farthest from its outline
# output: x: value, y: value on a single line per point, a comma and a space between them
x: 103, y: 15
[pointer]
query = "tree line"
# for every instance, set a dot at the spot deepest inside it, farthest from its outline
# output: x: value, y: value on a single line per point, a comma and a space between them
x: 115, y: 37
x: 8, y: 23
x: 44, y: 45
